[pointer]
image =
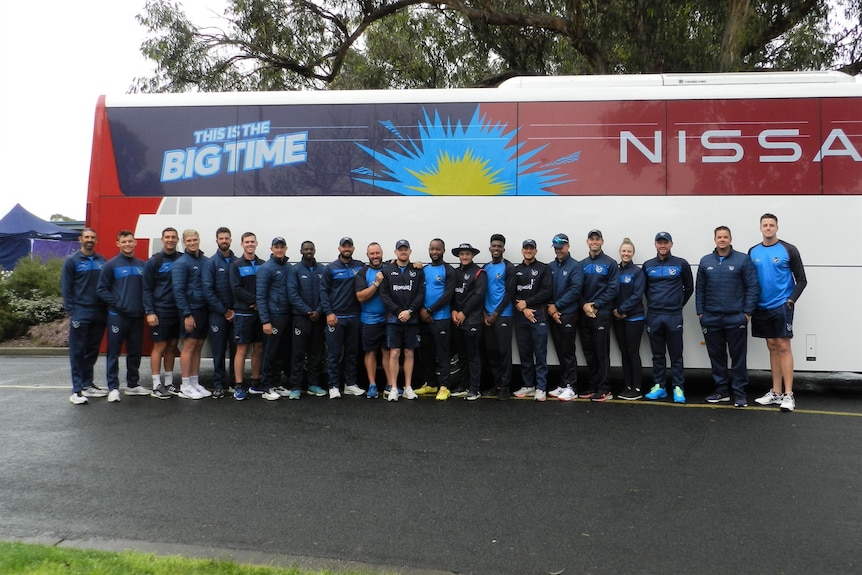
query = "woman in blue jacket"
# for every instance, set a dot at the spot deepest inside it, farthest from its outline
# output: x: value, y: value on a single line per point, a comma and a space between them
x: 629, y: 320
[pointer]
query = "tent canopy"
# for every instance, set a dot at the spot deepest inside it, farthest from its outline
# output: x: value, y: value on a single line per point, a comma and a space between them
x: 20, y: 230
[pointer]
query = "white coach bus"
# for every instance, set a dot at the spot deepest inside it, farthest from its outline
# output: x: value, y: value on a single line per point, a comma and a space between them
x: 629, y: 155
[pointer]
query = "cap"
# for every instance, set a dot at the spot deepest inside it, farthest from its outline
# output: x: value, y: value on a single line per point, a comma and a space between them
x: 464, y: 247
x: 531, y: 243
x: 345, y: 240
x: 663, y: 236
x: 402, y: 244
x: 278, y: 240
x: 595, y: 233
x: 560, y: 239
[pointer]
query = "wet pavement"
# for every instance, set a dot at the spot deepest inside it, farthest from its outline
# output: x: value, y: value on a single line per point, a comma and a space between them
x: 483, y: 487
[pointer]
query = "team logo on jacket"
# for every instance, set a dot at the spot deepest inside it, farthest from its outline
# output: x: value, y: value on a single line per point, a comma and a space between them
x: 438, y: 279
x: 627, y: 279
x: 115, y: 329
x: 535, y: 272
x: 214, y: 328
x: 731, y: 268
x: 76, y: 324
x: 775, y: 260
x: 355, y: 271
x: 499, y: 276
x: 565, y: 272
x: 466, y: 276
x: 275, y: 331
x: 331, y: 329
x: 297, y: 332
x: 599, y: 269
x: 672, y: 272
x: 411, y: 273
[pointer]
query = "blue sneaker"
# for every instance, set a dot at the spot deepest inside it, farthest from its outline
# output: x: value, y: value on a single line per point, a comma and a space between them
x: 657, y: 392
x: 257, y: 390
x: 372, y: 391
x: 295, y: 394
x: 400, y: 391
x: 240, y: 393
x: 678, y: 395
x: 316, y: 391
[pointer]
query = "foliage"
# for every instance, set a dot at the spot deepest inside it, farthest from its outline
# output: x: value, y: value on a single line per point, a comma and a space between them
x: 30, y: 295
x: 42, y: 560
x: 296, y: 44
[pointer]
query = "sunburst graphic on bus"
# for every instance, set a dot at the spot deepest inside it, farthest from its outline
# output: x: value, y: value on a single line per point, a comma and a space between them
x: 480, y: 158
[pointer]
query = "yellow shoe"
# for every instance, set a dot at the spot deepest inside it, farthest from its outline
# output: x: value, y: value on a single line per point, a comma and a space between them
x: 443, y: 394
x: 426, y: 390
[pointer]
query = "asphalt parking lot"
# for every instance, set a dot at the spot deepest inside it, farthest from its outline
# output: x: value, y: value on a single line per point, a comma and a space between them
x: 481, y: 487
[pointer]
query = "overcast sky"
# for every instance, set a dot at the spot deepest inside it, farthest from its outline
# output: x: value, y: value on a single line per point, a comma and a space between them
x: 56, y: 58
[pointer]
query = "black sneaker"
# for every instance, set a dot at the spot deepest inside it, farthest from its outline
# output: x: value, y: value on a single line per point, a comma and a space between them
x: 740, y: 402
x: 160, y: 393
x: 717, y: 398
x: 460, y: 392
x: 504, y: 394
x: 631, y: 394
x: 472, y: 395
x: 491, y: 392
x: 218, y: 393
x: 173, y: 389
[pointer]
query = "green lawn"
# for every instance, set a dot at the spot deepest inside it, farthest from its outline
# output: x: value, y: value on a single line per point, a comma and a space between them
x: 25, y: 559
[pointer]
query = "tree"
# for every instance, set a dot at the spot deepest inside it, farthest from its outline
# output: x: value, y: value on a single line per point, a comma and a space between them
x: 290, y: 44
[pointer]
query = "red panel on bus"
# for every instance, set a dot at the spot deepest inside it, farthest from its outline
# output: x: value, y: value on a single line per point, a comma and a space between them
x: 841, y: 149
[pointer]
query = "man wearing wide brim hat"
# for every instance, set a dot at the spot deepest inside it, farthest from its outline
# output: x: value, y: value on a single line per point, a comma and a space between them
x: 467, y: 306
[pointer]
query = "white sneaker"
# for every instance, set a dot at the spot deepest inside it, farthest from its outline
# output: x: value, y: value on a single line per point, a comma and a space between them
x: 392, y: 394
x: 353, y: 390
x: 281, y: 390
x: 188, y: 391
x: 788, y: 403
x: 556, y: 392
x: 137, y: 390
x: 114, y: 396
x: 525, y: 392
x: 79, y: 399
x: 568, y: 394
x: 409, y: 393
x: 771, y: 398
x: 271, y: 395
x: 94, y: 391
x: 202, y: 390
x: 540, y: 395
x: 334, y: 393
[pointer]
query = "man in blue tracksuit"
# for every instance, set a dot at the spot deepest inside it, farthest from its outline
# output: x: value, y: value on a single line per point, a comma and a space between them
x: 273, y: 307
x: 161, y: 310
x: 247, y: 329
x: 726, y: 294
x: 436, y: 326
x: 219, y: 298
x: 338, y: 297
x: 499, y: 293
x: 567, y: 281
x: 307, y: 343
x: 403, y: 292
x: 192, y: 306
x: 669, y: 285
x: 533, y: 287
x: 87, y: 315
x: 601, y: 283
x: 121, y: 288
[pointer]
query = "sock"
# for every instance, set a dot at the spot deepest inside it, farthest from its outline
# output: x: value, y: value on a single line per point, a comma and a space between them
x: 194, y: 379
x: 156, y: 381
x: 186, y: 381
x: 169, y: 379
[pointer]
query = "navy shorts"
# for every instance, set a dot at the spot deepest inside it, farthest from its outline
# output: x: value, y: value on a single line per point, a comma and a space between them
x: 168, y: 328
x: 202, y: 317
x: 402, y: 335
x: 373, y: 336
x: 247, y: 328
x: 773, y: 323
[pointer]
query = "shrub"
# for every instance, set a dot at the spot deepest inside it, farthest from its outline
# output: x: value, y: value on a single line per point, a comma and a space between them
x: 30, y: 295
x: 34, y: 278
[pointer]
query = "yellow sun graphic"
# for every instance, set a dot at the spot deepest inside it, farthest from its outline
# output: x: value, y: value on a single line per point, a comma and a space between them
x: 464, y: 176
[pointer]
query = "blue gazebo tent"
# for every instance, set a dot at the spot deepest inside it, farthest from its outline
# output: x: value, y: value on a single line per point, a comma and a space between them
x: 22, y: 233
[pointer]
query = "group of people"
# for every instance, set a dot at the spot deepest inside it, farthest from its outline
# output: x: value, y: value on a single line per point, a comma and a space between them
x: 291, y: 320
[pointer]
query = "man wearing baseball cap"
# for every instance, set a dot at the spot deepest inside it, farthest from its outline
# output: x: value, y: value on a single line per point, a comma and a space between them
x: 669, y: 285
x: 273, y: 307
x: 338, y: 297
x: 567, y: 281
x: 532, y: 293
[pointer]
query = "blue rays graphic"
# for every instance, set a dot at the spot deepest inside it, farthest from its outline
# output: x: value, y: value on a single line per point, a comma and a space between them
x: 505, y: 163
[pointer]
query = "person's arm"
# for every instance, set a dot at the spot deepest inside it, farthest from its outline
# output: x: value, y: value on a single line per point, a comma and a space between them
x: 687, y: 283
x: 448, y: 291
x: 148, y: 285
x: 572, y: 294
x: 509, y: 289
x: 208, y: 282
x: 476, y: 299
x: 605, y: 301
x: 294, y: 293
x: 179, y: 283
x: 798, y: 271
x: 364, y: 290
x: 105, y: 286
x: 700, y: 288
x: 636, y: 297
x: 261, y: 297
x: 752, y: 286
x: 67, y: 285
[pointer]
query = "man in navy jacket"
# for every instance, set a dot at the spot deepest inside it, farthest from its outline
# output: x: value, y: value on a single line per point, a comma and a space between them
x: 726, y: 295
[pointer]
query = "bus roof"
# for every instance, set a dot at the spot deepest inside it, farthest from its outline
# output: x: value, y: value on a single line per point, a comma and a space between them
x: 541, y: 88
